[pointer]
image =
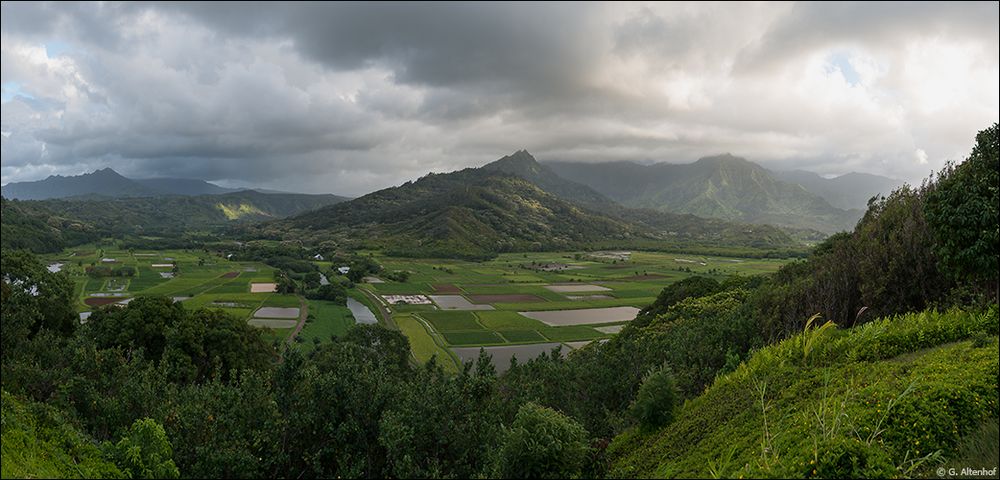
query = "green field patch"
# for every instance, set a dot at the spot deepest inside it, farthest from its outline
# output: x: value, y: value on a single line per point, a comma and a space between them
x: 232, y: 287
x: 501, y: 320
x: 572, y: 333
x: 444, y: 321
x: 482, y: 337
x: 276, y: 300
x: 422, y: 344
x: 327, y: 319
x: 523, y: 278
x: 521, y: 336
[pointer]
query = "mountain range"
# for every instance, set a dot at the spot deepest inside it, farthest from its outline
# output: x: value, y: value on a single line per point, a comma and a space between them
x: 731, y: 188
x: 513, y: 204
x: 848, y: 191
x: 108, y: 183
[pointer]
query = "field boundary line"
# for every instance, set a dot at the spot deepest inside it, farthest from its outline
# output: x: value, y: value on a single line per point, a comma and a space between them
x: 434, y: 334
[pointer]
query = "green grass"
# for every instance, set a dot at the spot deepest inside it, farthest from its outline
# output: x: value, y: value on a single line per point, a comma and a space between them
x: 521, y: 336
x: 38, y: 441
x: 444, y: 321
x: 278, y: 300
x: 422, y: 344
x: 482, y: 337
x: 328, y: 319
x: 865, y: 402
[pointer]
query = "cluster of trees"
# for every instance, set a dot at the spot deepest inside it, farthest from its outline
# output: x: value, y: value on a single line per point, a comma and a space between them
x: 353, y: 407
x: 109, y: 271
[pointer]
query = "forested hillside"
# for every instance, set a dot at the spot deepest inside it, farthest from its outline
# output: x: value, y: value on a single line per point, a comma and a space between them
x: 513, y: 204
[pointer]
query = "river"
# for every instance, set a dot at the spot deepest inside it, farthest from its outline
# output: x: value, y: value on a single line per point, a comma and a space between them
x: 361, y: 313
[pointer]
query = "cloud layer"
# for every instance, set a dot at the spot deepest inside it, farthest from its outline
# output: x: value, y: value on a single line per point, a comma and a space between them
x: 347, y: 98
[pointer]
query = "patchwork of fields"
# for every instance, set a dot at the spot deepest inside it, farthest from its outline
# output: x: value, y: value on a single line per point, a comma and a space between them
x: 517, y: 305
x: 524, y: 305
x: 193, y: 277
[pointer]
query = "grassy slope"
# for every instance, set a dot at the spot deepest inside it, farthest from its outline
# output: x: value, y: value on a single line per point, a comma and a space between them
x: 883, y: 394
x: 38, y: 442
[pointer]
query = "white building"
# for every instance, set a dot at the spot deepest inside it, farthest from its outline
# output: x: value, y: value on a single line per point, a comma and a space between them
x: 318, y: 257
x: 343, y: 270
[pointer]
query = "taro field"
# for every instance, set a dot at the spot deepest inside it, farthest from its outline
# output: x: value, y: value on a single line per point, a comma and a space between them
x: 522, y: 305
x: 195, y: 278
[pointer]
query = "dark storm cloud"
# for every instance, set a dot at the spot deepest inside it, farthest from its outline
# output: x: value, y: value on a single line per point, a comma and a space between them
x: 348, y: 97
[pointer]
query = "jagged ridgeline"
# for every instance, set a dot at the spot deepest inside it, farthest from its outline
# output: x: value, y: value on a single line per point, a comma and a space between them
x: 513, y: 204
x: 732, y: 188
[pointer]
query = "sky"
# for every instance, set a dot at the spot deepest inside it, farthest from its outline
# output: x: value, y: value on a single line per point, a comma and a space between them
x: 348, y: 98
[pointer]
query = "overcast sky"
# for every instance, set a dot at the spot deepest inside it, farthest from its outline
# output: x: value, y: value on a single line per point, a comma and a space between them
x: 348, y: 98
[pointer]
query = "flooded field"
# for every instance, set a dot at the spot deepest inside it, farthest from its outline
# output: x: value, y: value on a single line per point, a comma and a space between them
x: 272, y: 323
x: 457, y: 302
x: 502, y: 354
x: 505, y: 298
x: 587, y: 316
x: 360, y: 312
x: 276, y: 312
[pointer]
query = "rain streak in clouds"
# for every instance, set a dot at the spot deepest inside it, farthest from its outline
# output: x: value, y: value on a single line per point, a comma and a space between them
x: 347, y: 98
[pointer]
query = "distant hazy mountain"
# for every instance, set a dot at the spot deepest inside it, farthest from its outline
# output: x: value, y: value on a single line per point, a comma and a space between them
x: 101, y: 182
x: 183, y: 186
x: 848, y: 191
x: 513, y: 204
x: 108, y: 183
x: 724, y: 187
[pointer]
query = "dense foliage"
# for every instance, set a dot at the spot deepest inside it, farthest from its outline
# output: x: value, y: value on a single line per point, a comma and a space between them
x: 962, y: 208
x: 839, y: 365
x: 30, y: 226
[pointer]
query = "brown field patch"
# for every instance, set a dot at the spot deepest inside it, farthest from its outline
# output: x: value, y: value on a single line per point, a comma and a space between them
x: 230, y: 275
x: 99, y: 301
x: 505, y: 298
x: 446, y: 288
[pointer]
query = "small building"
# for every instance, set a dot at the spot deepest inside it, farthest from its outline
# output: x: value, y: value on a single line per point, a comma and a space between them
x: 343, y: 270
x: 108, y: 260
x: 318, y: 257
x: 229, y: 257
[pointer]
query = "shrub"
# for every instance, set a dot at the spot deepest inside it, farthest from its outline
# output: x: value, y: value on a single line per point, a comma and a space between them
x: 144, y: 452
x: 657, y: 400
x: 845, y: 457
x: 543, y: 443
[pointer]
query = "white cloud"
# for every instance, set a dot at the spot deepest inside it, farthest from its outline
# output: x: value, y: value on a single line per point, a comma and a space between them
x: 349, y: 98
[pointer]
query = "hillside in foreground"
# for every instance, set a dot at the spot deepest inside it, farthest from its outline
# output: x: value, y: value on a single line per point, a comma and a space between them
x: 893, y: 397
